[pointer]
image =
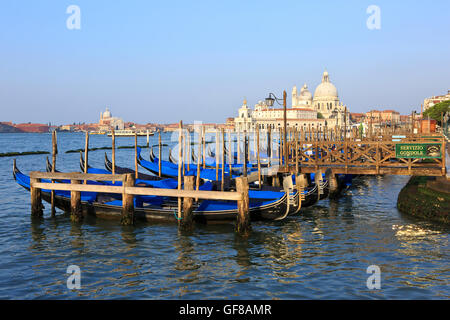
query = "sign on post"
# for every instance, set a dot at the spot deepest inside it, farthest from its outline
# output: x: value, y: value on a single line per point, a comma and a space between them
x: 418, y: 150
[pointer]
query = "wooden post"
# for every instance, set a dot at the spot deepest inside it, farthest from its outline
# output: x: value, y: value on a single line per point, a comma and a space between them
x: 136, y: 167
x: 159, y: 153
x: 223, y: 160
x: 199, y: 156
x: 128, y: 202
x: 280, y: 152
x: 230, y: 153
x: 54, y: 152
x: 180, y: 146
x: 36, y: 200
x: 187, y: 220
x: 258, y: 159
x: 204, y: 147
x: 243, y: 218
x: 245, y: 154
x: 296, y: 153
x: 148, y: 139
x: 217, y: 154
x: 269, y: 144
x: 443, y: 151
x: 76, y: 211
x: 187, y: 152
x: 113, y: 140
x: 86, y: 155
x: 333, y: 185
x: 238, y: 143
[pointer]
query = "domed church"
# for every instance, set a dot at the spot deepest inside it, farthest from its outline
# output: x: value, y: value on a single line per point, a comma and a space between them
x: 303, y: 114
x: 325, y: 100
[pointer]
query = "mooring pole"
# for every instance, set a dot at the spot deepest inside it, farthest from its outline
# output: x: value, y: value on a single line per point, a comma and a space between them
x: 187, y: 150
x: 187, y: 220
x: 159, y: 153
x: 148, y: 139
x: 258, y: 159
x: 245, y: 154
x: 36, y: 200
x: 76, y: 211
x: 231, y: 154
x: 243, y: 218
x: 136, y: 167
x: 199, y: 156
x: 238, y: 143
x: 269, y: 144
x: 179, y: 166
x: 113, y: 140
x: 54, y: 152
x: 223, y: 159
x: 127, y: 218
x: 86, y: 154
x: 217, y: 155
x: 333, y: 185
x: 204, y: 146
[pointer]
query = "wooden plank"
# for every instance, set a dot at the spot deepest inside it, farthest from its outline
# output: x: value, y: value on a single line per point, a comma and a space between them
x: 75, y: 176
x: 209, y: 195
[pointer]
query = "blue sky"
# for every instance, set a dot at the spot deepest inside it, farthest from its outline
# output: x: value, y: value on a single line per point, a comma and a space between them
x: 164, y: 61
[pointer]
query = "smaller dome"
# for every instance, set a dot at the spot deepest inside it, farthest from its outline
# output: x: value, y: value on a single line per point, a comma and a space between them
x: 305, y: 95
x: 106, y: 114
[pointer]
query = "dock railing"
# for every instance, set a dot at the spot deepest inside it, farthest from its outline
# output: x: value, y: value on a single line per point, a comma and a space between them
x: 129, y: 190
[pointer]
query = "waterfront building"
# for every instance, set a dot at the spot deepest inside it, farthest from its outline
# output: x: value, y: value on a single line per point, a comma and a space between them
x: 322, y: 109
x: 381, y: 117
x: 429, y: 102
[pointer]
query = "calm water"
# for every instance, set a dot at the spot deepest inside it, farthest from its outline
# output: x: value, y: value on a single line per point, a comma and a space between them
x: 324, y: 253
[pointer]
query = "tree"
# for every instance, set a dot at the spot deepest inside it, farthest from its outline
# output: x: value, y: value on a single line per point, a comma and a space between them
x: 435, y: 111
x: 320, y: 116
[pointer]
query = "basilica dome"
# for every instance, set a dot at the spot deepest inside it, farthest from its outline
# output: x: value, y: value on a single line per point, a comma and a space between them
x: 326, y: 89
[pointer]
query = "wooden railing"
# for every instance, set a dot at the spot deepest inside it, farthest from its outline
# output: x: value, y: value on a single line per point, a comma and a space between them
x: 129, y: 190
x: 370, y: 155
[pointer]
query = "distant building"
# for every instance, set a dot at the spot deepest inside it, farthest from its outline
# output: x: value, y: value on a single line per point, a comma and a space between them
x: 429, y: 102
x: 382, y: 117
x: 357, y: 117
x: 107, y: 121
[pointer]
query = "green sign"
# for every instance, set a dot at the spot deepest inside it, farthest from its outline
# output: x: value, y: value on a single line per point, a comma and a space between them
x: 418, y: 150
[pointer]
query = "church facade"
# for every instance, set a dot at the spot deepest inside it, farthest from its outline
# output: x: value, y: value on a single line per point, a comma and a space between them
x: 307, y: 111
x: 107, y: 121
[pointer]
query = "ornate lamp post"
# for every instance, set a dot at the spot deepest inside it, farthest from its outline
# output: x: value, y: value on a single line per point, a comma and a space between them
x: 269, y: 102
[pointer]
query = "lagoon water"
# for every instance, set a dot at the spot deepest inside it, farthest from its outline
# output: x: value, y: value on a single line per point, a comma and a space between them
x: 323, y: 253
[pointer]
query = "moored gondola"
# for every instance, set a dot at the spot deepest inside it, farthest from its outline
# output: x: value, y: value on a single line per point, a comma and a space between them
x: 153, y: 208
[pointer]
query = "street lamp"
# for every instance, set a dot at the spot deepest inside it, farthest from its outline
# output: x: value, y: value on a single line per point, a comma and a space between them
x: 269, y: 102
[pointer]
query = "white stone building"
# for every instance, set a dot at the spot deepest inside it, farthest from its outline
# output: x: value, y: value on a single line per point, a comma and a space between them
x: 324, y: 109
x: 107, y: 121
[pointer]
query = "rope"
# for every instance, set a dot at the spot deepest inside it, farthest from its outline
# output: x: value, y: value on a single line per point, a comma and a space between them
x: 176, y: 216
